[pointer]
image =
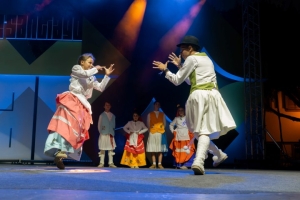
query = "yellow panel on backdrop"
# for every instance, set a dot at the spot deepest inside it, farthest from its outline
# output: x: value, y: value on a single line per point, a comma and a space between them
x: 57, y: 60
x: 11, y: 62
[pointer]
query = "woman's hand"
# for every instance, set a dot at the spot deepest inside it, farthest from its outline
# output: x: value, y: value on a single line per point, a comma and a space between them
x: 109, y: 70
x: 159, y: 65
x: 175, y: 60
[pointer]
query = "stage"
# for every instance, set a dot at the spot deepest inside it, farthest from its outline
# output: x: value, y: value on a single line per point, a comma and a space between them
x: 38, y: 181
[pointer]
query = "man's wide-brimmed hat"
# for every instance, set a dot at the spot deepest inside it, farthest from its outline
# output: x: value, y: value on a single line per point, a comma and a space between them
x: 189, y: 39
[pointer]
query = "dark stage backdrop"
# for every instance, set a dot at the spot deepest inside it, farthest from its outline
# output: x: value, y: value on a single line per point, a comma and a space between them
x: 34, y: 67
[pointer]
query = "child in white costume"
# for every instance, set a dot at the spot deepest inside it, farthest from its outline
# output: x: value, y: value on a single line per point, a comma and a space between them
x: 207, y: 114
x: 68, y: 128
x: 106, y: 141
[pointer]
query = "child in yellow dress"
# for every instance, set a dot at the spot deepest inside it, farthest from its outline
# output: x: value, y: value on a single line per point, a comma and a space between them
x: 134, y: 151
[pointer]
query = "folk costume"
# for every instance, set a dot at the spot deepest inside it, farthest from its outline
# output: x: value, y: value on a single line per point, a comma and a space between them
x: 207, y: 114
x: 134, y: 150
x: 157, y: 141
x: 106, y: 141
x: 182, y: 144
x: 68, y: 128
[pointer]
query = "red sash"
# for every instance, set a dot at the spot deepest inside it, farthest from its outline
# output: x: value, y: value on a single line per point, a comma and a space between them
x: 140, y: 145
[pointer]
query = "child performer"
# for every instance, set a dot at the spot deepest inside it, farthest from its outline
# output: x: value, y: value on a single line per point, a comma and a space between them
x: 182, y: 144
x: 134, y: 151
x: 106, y: 142
x: 68, y: 128
x: 207, y: 114
x: 157, y: 139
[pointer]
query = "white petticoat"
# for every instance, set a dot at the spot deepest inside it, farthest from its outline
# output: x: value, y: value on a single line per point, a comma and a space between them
x: 55, y: 142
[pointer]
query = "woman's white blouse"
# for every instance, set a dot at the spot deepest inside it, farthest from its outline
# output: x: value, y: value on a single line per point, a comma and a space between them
x: 82, y: 83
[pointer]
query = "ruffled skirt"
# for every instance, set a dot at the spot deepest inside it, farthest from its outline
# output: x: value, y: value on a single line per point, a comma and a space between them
x: 208, y: 114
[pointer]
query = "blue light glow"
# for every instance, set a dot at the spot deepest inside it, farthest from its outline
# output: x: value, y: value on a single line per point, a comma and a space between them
x: 222, y: 71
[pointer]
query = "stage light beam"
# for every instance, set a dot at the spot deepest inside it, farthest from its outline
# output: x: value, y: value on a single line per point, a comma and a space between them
x: 127, y: 31
x: 173, y: 36
x: 169, y: 41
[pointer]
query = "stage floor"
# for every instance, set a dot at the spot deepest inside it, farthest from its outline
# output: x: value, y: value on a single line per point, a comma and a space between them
x: 35, y: 182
